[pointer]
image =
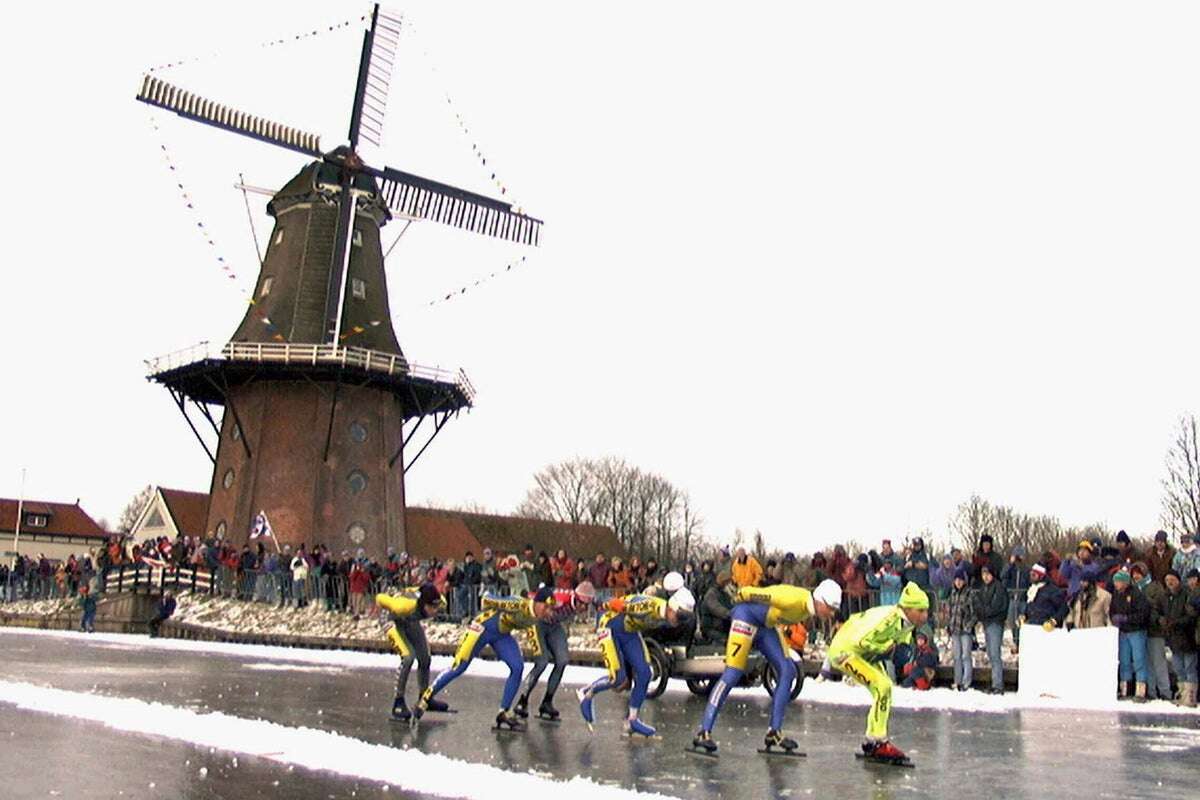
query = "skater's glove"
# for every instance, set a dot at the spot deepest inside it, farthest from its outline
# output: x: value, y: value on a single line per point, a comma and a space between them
x: 1049, y: 625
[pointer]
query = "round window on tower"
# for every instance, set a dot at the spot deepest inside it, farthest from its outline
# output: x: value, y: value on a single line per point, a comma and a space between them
x: 227, y: 481
x: 221, y: 529
x: 358, y: 432
x: 357, y: 480
x: 357, y: 533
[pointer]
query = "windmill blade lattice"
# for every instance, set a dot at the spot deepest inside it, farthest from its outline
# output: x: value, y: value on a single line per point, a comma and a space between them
x: 385, y: 38
x: 420, y: 198
x: 159, y: 93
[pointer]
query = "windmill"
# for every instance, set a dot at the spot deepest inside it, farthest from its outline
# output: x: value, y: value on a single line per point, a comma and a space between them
x: 321, y: 403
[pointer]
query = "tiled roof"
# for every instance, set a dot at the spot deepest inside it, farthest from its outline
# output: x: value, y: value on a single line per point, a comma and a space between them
x: 440, y: 530
x: 188, y: 509
x: 62, y: 519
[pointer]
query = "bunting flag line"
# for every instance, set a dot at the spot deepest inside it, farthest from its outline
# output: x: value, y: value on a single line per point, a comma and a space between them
x: 190, y: 203
x: 479, y: 282
x: 344, y: 25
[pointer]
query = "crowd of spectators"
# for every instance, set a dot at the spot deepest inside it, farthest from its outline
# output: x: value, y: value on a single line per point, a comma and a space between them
x: 1152, y: 597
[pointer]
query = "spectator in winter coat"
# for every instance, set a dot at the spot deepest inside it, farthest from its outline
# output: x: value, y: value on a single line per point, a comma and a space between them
x: 890, y: 556
x: 1159, y: 684
x: 514, y: 576
x: 562, y: 567
x: 915, y: 568
x: 472, y: 580
x: 543, y: 573
x: 1015, y: 578
x: 87, y: 603
x: 299, y: 568
x: 1090, y: 605
x: 1046, y: 601
x: 986, y: 555
x: 1160, y: 557
x: 854, y: 591
x: 166, y: 607
x: 837, y: 564
x: 360, y: 583
x: 960, y: 624
x: 651, y: 574
x: 489, y: 575
x: 787, y: 572
x: 1187, y: 557
x: 746, y: 569
x: 1130, y: 612
x: 1126, y: 553
x: 1180, y: 623
x: 597, y: 575
x: 620, y: 582
x: 819, y: 569
x: 887, y: 582
x: 991, y: 607
x: 1072, y: 568
x: 716, y: 607
x: 919, y: 673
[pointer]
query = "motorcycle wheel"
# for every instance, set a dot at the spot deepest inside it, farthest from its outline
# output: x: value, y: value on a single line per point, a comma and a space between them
x: 701, y: 686
x: 660, y: 669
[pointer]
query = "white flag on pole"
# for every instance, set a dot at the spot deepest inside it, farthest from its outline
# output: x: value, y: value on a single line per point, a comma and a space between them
x: 262, y: 527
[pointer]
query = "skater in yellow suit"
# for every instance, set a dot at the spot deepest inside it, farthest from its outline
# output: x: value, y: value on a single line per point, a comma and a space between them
x: 860, y: 642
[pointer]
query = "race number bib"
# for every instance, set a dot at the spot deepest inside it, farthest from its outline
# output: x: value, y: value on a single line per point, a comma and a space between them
x: 741, y: 640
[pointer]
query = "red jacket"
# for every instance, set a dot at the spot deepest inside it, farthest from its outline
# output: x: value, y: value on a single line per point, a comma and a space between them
x: 360, y: 580
x: 564, y: 573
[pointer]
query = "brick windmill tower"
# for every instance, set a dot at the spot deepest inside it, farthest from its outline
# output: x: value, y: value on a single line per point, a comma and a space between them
x: 321, y: 404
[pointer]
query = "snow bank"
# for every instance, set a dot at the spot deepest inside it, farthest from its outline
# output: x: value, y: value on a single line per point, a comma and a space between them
x: 304, y: 747
x: 845, y: 694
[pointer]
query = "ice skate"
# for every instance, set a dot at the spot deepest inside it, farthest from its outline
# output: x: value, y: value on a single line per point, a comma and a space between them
x: 418, y: 712
x: 548, y: 713
x: 884, y: 752
x: 522, y: 707
x: 508, y: 721
x: 635, y: 727
x: 776, y: 744
x: 703, y: 745
x: 439, y: 706
x: 400, y: 712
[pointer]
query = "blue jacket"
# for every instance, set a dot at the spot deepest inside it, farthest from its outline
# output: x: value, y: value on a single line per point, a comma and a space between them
x: 1070, y: 571
x: 888, y: 586
x: 1050, y: 602
x: 918, y: 573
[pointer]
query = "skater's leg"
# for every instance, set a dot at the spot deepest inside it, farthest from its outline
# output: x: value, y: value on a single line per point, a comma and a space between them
x: 539, y: 664
x: 637, y: 661
x: 472, y: 642
x: 420, y: 647
x: 401, y: 645
x: 770, y: 644
x: 613, y: 663
x: 556, y: 640
x: 507, y: 650
x: 737, y: 656
x: 881, y: 693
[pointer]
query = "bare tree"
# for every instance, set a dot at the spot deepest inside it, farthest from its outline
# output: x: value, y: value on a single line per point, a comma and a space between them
x: 133, y: 509
x: 1181, y: 487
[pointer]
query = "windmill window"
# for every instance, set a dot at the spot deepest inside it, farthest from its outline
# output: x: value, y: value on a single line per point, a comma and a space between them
x: 358, y: 432
x: 266, y: 287
x: 358, y: 238
x: 221, y: 529
x: 357, y: 533
x: 37, y: 520
x: 359, y: 288
x: 279, y: 238
x: 358, y: 481
x: 227, y: 481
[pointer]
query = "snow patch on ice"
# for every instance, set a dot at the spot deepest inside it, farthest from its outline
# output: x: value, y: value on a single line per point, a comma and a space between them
x: 304, y: 747
x: 267, y: 666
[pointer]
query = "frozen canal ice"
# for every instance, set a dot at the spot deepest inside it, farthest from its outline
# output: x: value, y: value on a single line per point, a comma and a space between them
x: 1018, y: 754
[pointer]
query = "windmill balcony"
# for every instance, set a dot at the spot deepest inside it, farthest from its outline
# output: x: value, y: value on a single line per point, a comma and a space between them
x: 289, y: 356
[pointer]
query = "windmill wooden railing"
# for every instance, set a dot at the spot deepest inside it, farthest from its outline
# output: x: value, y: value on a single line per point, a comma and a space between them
x: 310, y: 354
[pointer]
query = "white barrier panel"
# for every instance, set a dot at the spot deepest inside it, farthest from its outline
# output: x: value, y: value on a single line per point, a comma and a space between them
x: 1078, y: 666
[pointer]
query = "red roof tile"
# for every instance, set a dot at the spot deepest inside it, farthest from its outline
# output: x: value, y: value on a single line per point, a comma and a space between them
x: 63, y: 519
x: 188, y: 509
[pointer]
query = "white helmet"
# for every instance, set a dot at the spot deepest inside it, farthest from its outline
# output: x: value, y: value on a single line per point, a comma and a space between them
x: 672, y: 582
x: 682, y: 600
x: 829, y: 593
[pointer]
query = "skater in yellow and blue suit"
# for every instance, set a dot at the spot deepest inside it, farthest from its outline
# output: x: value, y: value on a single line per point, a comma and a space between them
x: 625, y: 652
x: 407, y: 609
x: 493, y: 627
x: 862, y: 641
x: 756, y: 623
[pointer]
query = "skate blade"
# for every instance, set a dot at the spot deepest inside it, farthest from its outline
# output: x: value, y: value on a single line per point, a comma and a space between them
x: 774, y: 751
x: 887, y: 762
x: 506, y: 729
x: 700, y: 751
x: 634, y: 737
x: 553, y: 720
x: 447, y: 711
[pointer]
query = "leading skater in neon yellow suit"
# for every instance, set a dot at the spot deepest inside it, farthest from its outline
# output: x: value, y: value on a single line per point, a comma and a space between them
x: 861, y: 641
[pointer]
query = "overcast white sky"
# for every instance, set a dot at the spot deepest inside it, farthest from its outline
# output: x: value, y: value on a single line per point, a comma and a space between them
x: 832, y: 267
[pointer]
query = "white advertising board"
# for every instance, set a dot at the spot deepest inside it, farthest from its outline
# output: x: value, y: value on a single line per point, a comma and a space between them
x: 1080, y: 665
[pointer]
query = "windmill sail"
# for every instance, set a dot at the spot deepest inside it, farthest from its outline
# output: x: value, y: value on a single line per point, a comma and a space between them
x: 159, y: 93
x: 420, y: 198
x: 375, y: 77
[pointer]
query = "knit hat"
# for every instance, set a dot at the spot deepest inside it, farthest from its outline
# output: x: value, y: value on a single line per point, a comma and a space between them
x: 1161, y: 536
x: 429, y: 595
x: 1122, y: 537
x: 1121, y: 575
x: 913, y: 597
x: 1084, y: 544
x: 1139, y: 566
x: 829, y: 593
x: 986, y: 568
x: 1192, y: 573
x: 960, y: 572
x: 986, y: 539
x: 1037, y: 569
x: 1171, y: 572
x: 544, y: 594
x: 1020, y: 552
